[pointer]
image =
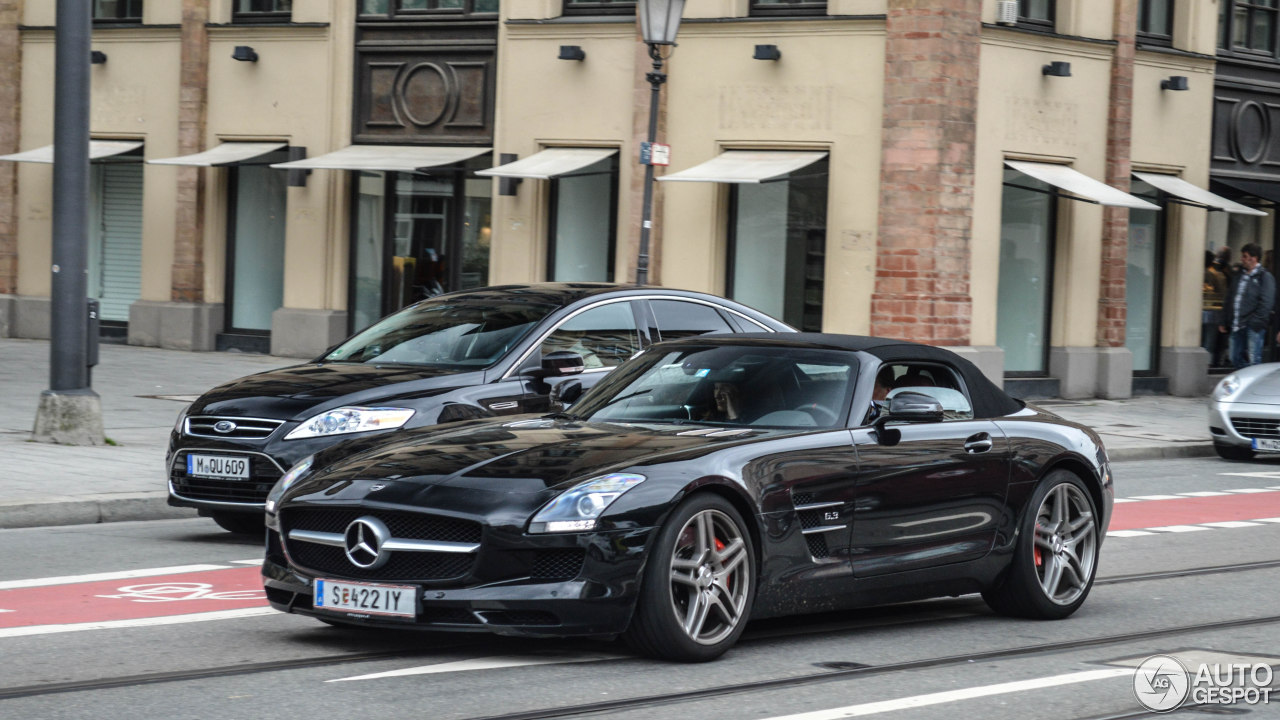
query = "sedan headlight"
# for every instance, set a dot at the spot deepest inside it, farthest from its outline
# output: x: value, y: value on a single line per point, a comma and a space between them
x: 299, y: 469
x: 1228, y: 387
x: 577, y: 509
x: 182, y: 417
x: 340, y: 421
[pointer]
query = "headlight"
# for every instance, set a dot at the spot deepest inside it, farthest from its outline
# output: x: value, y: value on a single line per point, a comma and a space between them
x: 351, y: 420
x: 300, y: 468
x: 578, y: 509
x: 182, y: 416
x: 1228, y: 387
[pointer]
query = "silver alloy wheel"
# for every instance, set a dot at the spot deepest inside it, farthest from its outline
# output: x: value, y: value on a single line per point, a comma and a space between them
x: 710, y: 576
x: 1066, y: 544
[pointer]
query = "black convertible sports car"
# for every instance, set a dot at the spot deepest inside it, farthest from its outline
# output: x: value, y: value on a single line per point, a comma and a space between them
x: 477, y: 353
x: 705, y: 482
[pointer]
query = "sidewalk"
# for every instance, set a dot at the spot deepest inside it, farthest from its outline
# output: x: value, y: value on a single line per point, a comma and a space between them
x: 143, y: 389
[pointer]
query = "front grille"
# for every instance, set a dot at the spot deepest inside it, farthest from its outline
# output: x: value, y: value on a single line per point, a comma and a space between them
x: 403, y: 525
x: 817, y: 545
x: 1256, y: 427
x: 329, y: 561
x: 244, y: 428
x: 263, y: 475
x: 558, y: 565
x: 809, y: 519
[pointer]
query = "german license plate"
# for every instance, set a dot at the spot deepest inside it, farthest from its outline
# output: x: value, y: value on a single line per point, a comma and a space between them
x: 1266, y: 444
x: 365, y: 598
x: 218, y: 466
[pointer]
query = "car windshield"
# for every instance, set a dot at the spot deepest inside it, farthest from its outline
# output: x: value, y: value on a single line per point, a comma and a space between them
x: 444, y: 332
x: 731, y: 385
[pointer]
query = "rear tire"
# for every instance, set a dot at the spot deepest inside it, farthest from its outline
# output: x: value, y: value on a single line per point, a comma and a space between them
x: 241, y: 523
x: 1055, y: 559
x: 698, y: 584
x: 1233, y: 452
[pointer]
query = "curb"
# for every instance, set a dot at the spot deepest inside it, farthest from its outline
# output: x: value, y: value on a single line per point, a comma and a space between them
x: 89, y: 510
x: 1162, y: 452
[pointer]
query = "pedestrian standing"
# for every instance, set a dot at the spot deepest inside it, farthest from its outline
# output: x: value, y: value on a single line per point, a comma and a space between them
x: 1247, y: 308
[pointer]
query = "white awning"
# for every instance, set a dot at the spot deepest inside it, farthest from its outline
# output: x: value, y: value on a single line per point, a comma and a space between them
x: 1080, y: 185
x: 1185, y: 190
x: 746, y: 166
x: 228, y: 153
x: 397, y: 158
x: 98, y: 149
x: 550, y: 163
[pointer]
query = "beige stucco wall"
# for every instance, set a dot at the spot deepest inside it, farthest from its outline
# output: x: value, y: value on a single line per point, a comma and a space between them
x: 134, y: 96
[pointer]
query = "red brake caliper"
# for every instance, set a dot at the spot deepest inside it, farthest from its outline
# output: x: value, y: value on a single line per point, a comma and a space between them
x: 1036, y: 550
x: 719, y: 547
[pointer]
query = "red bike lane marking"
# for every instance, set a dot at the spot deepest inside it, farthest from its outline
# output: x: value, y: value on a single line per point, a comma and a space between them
x: 1194, y: 510
x: 134, y: 598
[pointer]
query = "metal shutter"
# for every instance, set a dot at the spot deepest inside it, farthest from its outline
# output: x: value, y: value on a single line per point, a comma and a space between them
x: 121, y: 231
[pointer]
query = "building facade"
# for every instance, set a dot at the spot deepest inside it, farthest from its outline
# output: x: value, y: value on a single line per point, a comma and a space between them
x: 1027, y: 182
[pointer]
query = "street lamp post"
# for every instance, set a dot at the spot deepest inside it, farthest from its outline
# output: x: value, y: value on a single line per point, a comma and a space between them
x: 659, y: 22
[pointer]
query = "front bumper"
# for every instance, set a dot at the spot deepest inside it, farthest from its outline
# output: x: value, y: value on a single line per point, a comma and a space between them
x: 1235, y: 424
x: 597, y: 601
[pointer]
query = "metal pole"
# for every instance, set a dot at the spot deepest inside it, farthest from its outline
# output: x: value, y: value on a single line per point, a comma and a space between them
x: 655, y: 78
x: 68, y: 320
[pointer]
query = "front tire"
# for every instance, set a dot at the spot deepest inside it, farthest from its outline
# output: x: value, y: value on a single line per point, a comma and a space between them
x: 698, y: 585
x: 1056, y: 556
x: 1233, y: 452
x: 241, y: 523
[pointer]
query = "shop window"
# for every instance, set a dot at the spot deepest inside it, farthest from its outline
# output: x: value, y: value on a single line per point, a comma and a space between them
x: 262, y: 11
x: 1248, y: 26
x: 1037, y: 14
x: 1143, y: 275
x: 1155, y: 21
x: 788, y: 7
x: 1025, y: 279
x: 599, y: 7
x: 255, y: 243
x: 117, y: 10
x: 583, y: 224
x: 777, y: 246
x: 421, y: 9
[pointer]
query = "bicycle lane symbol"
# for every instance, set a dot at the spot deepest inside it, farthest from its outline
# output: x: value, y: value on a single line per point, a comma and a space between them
x: 177, y: 591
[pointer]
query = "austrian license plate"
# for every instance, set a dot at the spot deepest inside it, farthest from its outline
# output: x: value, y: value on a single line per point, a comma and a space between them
x: 218, y: 466
x: 365, y: 598
x: 1266, y: 444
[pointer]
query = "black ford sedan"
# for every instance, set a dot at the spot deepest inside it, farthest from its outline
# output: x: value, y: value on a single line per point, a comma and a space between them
x: 706, y: 482
x: 483, y: 353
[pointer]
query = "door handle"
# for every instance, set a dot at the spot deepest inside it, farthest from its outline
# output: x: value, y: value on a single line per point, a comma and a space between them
x: 979, y: 443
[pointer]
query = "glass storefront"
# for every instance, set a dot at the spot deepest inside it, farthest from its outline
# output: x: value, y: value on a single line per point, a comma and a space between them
x: 255, y: 243
x: 777, y: 246
x: 1143, y: 275
x: 1028, y: 217
x: 417, y: 235
x: 583, y: 223
x: 1226, y: 234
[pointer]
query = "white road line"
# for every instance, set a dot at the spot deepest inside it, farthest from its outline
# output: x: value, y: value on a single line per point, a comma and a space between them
x: 1178, y: 528
x: 489, y: 663
x: 1270, y: 520
x: 1205, y: 493
x: 1265, y: 474
x: 1125, y: 500
x: 1127, y: 533
x: 8, y: 610
x: 1251, y: 490
x: 1157, y: 497
x: 875, y: 708
x: 257, y: 561
x: 1231, y: 524
x: 138, y: 622
x: 95, y: 577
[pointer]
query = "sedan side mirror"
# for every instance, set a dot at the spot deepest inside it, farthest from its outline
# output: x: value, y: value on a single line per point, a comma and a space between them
x: 561, y: 363
x: 913, y: 407
x: 565, y: 394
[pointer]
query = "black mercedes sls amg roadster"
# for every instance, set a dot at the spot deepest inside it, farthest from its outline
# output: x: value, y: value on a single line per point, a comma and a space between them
x: 705, y: 482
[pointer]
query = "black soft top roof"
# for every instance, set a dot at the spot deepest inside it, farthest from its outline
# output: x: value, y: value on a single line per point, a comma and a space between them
x: 988, y: 400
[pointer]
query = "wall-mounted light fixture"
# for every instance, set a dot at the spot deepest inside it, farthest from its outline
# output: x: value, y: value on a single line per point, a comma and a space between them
x: 572, y: 52
x: 767, y: 52
x: 1175, y: 82
x: 97, y: 57
x: 244, y: 53
x: 1057, y: 68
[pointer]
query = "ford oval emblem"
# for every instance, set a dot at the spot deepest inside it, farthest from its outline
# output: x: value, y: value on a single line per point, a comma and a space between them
x: 224, y: 426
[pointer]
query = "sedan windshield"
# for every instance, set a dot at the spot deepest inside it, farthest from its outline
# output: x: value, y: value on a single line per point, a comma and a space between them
x: 444, y: 332
x: 728, y: 385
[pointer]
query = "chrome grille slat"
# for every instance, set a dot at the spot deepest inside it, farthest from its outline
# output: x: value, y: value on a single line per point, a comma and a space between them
x: 1252, y: 427
x: 246, y: 428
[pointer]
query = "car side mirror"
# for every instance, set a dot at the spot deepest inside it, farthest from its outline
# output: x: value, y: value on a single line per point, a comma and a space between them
x: 565, y: 394
x: 913, y: 407
x: 560, y: 363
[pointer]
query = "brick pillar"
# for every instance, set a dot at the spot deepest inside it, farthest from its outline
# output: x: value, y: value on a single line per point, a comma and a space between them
x: 1112, y: 310
x: 10, y: 121
x: 188, y: 251
x: 633, y: 172
x: 926, y: 171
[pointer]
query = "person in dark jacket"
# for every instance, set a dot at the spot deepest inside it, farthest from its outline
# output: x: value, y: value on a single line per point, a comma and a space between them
x: 1246, y: 310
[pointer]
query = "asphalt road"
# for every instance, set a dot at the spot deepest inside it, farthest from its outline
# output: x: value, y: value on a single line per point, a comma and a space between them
x: 163, y: 619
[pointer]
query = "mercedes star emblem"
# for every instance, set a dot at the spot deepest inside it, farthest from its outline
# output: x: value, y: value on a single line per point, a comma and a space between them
x: 364, y: 542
